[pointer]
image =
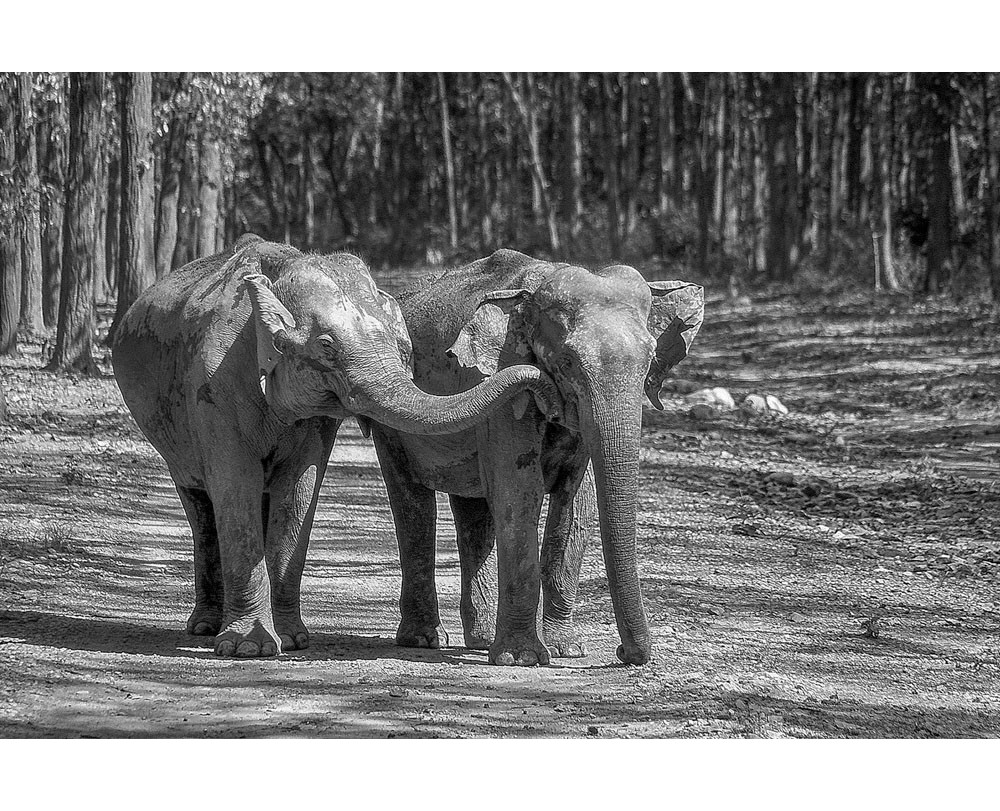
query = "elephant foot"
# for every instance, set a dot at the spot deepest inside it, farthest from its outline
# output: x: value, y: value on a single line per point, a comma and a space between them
x: 566, y: 648
x: 564, y: 642
x: 411, y: 635
x: 292, y: 632
x: 476, y: 642
x: 204, y: 621
x: 520, y: 650
x: 479, y: 629
x: 633, y: 654
x: 256, y: 641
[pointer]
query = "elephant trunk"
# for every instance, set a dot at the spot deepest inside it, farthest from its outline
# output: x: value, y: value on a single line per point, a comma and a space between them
x: 392, y: 399
x: 611, y: 430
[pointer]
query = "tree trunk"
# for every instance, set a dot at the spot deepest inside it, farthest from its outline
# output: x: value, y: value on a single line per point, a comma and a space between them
x: 721, y: 176
x: 992, y: 161
x: 111, y: 223
x: 883, y: 172
x: 957, y: 179
x: 26, y: 150
x: 75, y: 334
x: 186, y: 247
x: 10, y: 194
x: 779, y: 130
x: 573, y: 191
x: 309, y: 192
x: 852, y: 147
x: 53, y: 136
x: 449, y: 163
x: 172, y: 165
x: 703, y: 177
x: 937, y: 101
x: 611, y: 179
x: 210, y: 183
x: 136, y: 260
x: 529, y: 121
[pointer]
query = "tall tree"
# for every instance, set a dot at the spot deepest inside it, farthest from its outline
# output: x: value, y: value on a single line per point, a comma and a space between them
x: 573, y: 173
x: 176, y: 101
x: 136, y: 259
x: 75, y: 333
x: 53, y: 137
x: 449, y: 163
x: 529, y: 119
x: 209, y: 188
x: 779, y: 133
x: 10, y: 203
x: 991, y: 160
x: 937, y: 106
x: 30, y: 224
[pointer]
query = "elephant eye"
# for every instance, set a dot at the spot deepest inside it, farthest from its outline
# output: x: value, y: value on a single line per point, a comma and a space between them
x: 326, y: 344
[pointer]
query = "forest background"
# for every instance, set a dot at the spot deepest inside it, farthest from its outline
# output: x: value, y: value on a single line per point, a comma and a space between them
x: 741, y: 180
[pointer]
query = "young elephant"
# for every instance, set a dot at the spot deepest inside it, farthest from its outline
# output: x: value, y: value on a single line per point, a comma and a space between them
x: 239, y: 368
x: 604, y: 337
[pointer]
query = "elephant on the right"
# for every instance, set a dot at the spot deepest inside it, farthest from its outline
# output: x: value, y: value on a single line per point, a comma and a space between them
x: 605, y: 337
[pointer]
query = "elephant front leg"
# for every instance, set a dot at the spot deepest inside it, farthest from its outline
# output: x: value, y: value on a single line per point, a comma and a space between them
x: 414, y: 512
x: 568, y: 527
x: 515, y: 488
x: 292, y: 505
x: 206, y: 618
x: 247, y: 623
x: 294, y: 492
x: 476, y: 541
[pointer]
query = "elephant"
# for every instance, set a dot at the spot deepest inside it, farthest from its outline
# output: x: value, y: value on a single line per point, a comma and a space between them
x: 239, y: 368
x: 604, y: 337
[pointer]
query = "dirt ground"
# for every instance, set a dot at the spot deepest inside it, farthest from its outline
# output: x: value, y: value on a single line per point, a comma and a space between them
x: 765, y: 544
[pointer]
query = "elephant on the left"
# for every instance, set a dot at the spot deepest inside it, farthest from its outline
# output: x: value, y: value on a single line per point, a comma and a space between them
x: 239, y: 369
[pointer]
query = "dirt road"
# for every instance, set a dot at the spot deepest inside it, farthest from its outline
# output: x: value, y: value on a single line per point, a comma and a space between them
x: 764, y: 543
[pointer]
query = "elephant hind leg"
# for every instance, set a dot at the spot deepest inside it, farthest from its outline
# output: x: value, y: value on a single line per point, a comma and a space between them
x: 206, y: 618
x: 414, y: 511
x: 476, y: 542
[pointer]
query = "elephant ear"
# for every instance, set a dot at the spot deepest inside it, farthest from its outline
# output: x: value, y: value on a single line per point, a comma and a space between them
x: 271, y: 318
x: 674, y: 319
x: 395, y: 317
x: 483, y: 337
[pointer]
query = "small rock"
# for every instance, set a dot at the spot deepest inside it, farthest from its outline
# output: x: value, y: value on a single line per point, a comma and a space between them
x: 774, y: 404
x: 781, y: 477
x: 593, y: 731
x: 703, y: 411
x: 718, y: 397
x: 754, y: 404
x: 398, y: 692
x: 678, y: 385
x: 797, y: 617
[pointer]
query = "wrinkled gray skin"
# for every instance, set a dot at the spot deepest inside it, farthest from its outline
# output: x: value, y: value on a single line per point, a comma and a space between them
x: 604, y: 337
x: 239, y: 368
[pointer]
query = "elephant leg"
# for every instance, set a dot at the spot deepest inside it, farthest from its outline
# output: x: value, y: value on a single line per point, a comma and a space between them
x: 476, y: 541
x: 235, y: 487
x: 206, y: 618
x: 568, y: 527
x: 291, y: 508
x: 414, y: 511
x: 511, y: 469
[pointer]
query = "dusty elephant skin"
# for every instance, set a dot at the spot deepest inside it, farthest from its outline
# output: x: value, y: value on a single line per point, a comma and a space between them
x: 239, y: 369
x: 604, y: 337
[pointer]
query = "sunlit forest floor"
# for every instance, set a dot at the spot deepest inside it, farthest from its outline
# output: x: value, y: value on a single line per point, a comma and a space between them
x: 765, y: 543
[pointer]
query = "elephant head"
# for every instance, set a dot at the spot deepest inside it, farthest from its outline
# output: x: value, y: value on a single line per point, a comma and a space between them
x: 330, y: 343
x: 604, y: 337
